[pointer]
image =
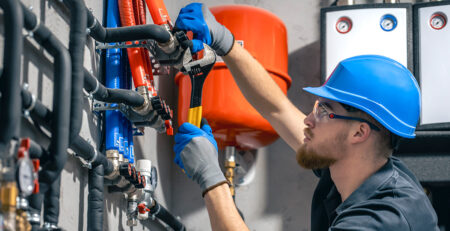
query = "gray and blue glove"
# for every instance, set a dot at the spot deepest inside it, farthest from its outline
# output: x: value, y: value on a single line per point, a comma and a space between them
x: 196, y: 153
x: 197, y: 18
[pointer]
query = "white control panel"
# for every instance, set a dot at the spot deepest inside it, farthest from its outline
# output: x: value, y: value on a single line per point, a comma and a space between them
x: 433, y: 62
x: 357, y: 30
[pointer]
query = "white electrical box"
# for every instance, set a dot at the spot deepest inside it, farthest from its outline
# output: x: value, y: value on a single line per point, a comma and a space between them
x: 432, y: 61
x: 381, y: 29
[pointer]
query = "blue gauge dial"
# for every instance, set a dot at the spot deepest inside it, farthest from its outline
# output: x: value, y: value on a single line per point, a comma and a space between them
x: 388, y: 22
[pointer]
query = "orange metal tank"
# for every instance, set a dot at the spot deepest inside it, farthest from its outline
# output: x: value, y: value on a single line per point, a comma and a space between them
x: 233, y: 120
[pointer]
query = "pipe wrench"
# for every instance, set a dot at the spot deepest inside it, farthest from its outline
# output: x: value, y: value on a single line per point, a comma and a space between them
x: 197, y: 70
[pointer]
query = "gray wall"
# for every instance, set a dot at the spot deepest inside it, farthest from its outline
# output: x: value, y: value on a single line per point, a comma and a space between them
x: 279, y: 196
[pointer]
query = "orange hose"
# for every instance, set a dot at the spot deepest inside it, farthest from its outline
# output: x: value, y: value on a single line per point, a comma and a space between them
x: 142, y: 12
x: 134, y: 54
x: 158, y: 11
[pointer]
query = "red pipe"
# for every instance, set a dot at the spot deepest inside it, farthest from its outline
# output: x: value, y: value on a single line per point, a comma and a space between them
x: 134, y: 54
x: 158, y: 11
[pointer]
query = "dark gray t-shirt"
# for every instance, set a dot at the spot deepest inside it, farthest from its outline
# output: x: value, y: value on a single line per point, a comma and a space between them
x: 390, y: 199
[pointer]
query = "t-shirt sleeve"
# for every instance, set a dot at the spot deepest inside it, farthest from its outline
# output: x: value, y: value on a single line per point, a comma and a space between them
x: 370, y: 217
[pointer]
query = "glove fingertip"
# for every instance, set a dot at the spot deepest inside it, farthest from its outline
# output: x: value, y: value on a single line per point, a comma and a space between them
x: 197, y: 45
x: 207, y: 128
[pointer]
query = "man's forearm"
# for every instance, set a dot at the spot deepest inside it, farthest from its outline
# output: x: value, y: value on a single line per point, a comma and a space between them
x: 222, y: 210
x: 254, y: 81
x: 265, y: 96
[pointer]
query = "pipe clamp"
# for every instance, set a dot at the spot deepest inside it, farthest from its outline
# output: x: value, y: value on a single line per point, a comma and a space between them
x: 88, y: 163
x: 26, y: 111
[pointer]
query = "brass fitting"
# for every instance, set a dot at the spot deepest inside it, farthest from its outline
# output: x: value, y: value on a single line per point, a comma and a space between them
x: 229, y: 175
x: 8, y: 197
x: 114, y: 157
x: 147, y: 106
x: 169, y: 46
x: 22, y: 223
x: 230, y: 165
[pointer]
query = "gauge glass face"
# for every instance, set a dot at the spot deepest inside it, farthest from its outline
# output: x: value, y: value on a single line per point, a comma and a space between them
x: 25, y: 176
x: 388, y: 22
x: 344, y: 25
x: 438, y: 21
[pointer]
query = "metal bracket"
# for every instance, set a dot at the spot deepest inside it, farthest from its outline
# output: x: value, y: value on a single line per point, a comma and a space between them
x: 129, y: 44
x: 103, y: 106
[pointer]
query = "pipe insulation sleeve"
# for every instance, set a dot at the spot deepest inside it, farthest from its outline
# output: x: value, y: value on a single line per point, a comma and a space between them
x: 161, y: 213
x: 123, y: 34
x: 77, y: 41
x: 10, y: 77
x: 109, y: 95
x: 36, y: 151
x: 61, y: 104
x: 95, y: 199
x: 84, y: 149
x: 51, y: 202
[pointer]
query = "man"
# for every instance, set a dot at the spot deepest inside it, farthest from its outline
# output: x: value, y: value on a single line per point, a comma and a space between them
x: 348, y: 138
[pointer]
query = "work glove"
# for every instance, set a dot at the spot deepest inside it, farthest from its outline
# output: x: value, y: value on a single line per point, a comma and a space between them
x: 197, y: 18
x: 196, y: 153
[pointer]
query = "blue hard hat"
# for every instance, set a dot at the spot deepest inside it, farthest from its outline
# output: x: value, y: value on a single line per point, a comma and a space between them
x: 379, y: 86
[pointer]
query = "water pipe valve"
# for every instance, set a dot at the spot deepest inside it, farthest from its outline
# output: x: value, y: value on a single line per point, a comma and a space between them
x: 143, y: 211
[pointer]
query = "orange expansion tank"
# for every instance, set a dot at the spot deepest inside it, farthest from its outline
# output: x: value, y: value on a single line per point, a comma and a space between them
x: 233, y: 120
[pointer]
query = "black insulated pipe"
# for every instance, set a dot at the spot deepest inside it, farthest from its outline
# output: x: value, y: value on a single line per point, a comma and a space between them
x: 51, y: 202
x: 36, y: 151
x: 109, y: 95
x: 161, y: 213
x: 10, y: 77
x: 61, y: 103
x: 123, y: 34
x: 84, y: 149
x: 35, y: 203
x: 95, y: 199
x: 77, y: 41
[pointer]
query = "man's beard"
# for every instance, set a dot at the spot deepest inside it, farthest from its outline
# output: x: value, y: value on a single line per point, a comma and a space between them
x: 310, y: 158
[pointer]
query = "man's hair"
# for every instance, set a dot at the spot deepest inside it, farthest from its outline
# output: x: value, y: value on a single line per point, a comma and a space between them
x: 386, y: 139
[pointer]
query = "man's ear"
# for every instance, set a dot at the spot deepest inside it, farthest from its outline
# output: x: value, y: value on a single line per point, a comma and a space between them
x: 360, y: 132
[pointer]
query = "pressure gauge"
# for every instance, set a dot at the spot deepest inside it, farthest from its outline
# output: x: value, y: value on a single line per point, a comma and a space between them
x: 388, y: 22
x: 25, y: 176
x: 344, y: 25
x: 438, y: 21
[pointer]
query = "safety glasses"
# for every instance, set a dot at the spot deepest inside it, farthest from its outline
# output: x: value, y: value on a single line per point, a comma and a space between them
x: 322, y: 113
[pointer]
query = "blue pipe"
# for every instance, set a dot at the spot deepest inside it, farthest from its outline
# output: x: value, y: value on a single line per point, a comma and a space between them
x: 129, y: 127
x: 113, y: 80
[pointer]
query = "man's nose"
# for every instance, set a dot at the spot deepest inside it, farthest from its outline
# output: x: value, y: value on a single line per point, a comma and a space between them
x: 309, y: 120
